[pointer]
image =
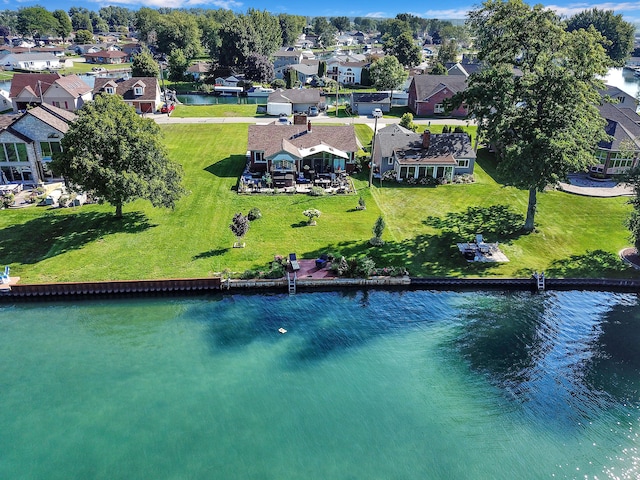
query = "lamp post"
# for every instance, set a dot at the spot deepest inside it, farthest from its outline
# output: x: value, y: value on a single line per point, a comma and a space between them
x: 373, y: 149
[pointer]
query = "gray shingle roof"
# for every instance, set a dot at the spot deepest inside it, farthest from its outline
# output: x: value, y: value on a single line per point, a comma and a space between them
x: 295, y: 95
x: 274, y: 138
x: 623, y: 124
x: 427, y: 85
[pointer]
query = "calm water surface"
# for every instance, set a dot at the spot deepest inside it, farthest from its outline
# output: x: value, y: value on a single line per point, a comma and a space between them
x: 378, y: 385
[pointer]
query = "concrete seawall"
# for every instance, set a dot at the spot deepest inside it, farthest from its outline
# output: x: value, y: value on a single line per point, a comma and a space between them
x: 44, y: 291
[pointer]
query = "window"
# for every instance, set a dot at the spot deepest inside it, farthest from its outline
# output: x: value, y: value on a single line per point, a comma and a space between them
x: 258, y: 157
x: 110, y: 90
x: 66, y: 105
x: 137, y: 90
x: 390, y: 161
x: 48, y: 149
x: 438, y: 108
x: 13, y: 152
x: 463, y: 163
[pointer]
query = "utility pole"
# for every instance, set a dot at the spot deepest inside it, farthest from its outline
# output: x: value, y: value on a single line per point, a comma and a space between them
x: 373, y: 149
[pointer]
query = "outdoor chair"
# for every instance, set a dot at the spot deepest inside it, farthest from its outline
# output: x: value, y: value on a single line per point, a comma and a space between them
x: 293, y: 261
x: 4, y: 276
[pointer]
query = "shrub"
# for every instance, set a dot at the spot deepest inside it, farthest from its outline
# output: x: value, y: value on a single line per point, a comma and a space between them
x: 312, y: 214
x: 254, y: 214
x: 248, y: 274
x: 458, y: 129
x: 8, y: 200
x: 361, y: 203
x: 316, y: 191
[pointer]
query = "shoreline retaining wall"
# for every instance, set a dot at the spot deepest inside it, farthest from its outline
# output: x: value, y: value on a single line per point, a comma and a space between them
x: 190, y: 286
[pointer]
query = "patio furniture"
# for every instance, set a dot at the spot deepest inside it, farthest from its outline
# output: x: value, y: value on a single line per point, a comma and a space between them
x: 322, y: 261
x: 293, y: 261
x: 4, y: 276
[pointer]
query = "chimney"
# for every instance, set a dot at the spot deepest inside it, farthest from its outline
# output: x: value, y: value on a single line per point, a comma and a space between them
x: 309, y: 126
x: 426, y: 139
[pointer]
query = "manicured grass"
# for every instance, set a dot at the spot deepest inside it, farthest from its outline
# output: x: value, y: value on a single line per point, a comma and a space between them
x: 220, y: 110
x: 83, y: 67
x: 576, y: 236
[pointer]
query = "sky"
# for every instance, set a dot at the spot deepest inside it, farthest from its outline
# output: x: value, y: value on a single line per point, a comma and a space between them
x: 451, y: 9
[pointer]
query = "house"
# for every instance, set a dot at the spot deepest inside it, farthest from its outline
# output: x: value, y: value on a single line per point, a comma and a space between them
x: 106, y: 57
x: 427, y: 94
x: 347, y: 68
x: 365, y: 103
x: 142, y: 93
x: 5, y: 101
x: 199, y: 70
x: 131, y: 49
x: 230, y: 81
x: 292, y: 100
x: 306, y: 71
x: 68, y: 92
x: 28, y: 142
x: 622, y: 151
x: 30, y: 61
x: 466, y: 69
x: 403, y: 155
x: 620, y: 98
x: 296, y: 150
x: 56, y: 50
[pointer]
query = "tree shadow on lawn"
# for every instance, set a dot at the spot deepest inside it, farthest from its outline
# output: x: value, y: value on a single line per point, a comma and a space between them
x: 229, y: 167
x: 211, y: 253
x: 488, y: 162
x: 591, y: 264
x: 51, y: 235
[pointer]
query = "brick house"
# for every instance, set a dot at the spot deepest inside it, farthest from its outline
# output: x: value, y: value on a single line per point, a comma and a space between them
x: 427, y: 94
x: 142, y: 93
x: 69, y: 92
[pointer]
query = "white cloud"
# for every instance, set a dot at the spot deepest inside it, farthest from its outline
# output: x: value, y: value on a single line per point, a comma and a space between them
x: 377, y: 15
x: 573, y: 8
x: 227, y: 4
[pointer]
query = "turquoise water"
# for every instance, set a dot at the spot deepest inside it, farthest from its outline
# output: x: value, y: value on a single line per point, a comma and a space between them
x: 377, y: 385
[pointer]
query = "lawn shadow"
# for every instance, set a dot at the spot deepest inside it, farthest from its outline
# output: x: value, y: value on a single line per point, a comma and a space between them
x: 229, y: 167
x: 55, y: 234
x: 300, y: 224
x: 591, y: 264
x: 211, y: 253
x: 488, y: 162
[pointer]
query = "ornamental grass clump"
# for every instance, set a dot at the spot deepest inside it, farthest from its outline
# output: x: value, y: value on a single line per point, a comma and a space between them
x: 312, y: 214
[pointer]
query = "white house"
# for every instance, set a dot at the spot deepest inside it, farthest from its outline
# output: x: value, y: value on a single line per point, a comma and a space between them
x: 30, y: 61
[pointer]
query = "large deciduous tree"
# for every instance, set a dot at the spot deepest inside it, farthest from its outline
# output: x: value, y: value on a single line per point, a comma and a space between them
x: 238, y: 40
x: 179, y: 29
x: 619, y: 34
x: 536, y: 100
x: 36, y: 21
x: 259, y: 68
x: 387, y: 73
x: 144, y: 65
x: 291, y: 27
x: 405, y: 49
x: 64, y: 24
x: 117, y: 155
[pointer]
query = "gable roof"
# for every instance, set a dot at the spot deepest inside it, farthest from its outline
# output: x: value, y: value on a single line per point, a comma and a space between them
x: 106, y: 54
x: 30, y: 81
x: 391, y: 137
x: 371, y: 97
x: 273, y: 138
x: 72, y: 84
x: 623, y: 125
x: 200, y: 67
x: 53, y: 116
x: 295, y: 95
x: 124, y: 87
x: 428, y: 85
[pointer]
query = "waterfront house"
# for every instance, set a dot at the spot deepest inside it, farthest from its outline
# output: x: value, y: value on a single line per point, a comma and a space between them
x: 292, y: 152
x: 427, y: 94
x: 622, y: 151
x: 106, y: 57
x: 142, y: 93
x: 28, y: 141
x: 403, y: 155
x: 30, y: 61
x: 67, y: 92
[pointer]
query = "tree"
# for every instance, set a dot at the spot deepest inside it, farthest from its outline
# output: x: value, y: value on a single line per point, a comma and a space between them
x: 178, y: 64
x: 146, y: 21
x: 279, y: 83
x: 239, y: 226
x: 179, y: 30
x: 448, y: 52
x: 259, y: 68
x: 64, y: 24
x: 117, y: 155
x: 290, y: 77
x: 83, y: 37
x: 405, y: 49
x: 619, y: 34
x: 387, y: 73
x: 238, y: 41
x: 325, y: 31
x: 322, y: 68
x: 116, y: 17
x: 378, y: 229
x: 291, y: 27
x: 36, y: 21
x: 267, y: 28
x: 439, y: 69
x: 81, y: 19
x: 342, y: 24
x: 544, y: 121
x: 312, y: 214
x: 144, y: 65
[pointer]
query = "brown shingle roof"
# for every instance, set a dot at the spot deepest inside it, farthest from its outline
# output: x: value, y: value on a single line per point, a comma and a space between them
x: 72, y: 84
x: 106, y: 54
x: 124, y: 87
x: 20, y: 81
x: 269, y: 138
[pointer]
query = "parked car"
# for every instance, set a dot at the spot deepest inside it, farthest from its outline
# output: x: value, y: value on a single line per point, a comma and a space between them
x: 313, y: 111
x: 377, y: 113
x: 283, y: 119
x: 167, y: 108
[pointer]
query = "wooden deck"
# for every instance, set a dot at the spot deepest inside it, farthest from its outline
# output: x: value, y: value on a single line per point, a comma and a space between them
x: 308, y: 270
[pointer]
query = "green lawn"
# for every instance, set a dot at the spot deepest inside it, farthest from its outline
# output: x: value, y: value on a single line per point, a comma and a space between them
x: 575, y: 236
x: 221, y: 110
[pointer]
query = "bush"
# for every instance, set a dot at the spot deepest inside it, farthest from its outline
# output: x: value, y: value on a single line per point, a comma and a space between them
x: 316, y: 191
x: 254, y: 214
x: 8, y: 200
x: 248, y: 274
